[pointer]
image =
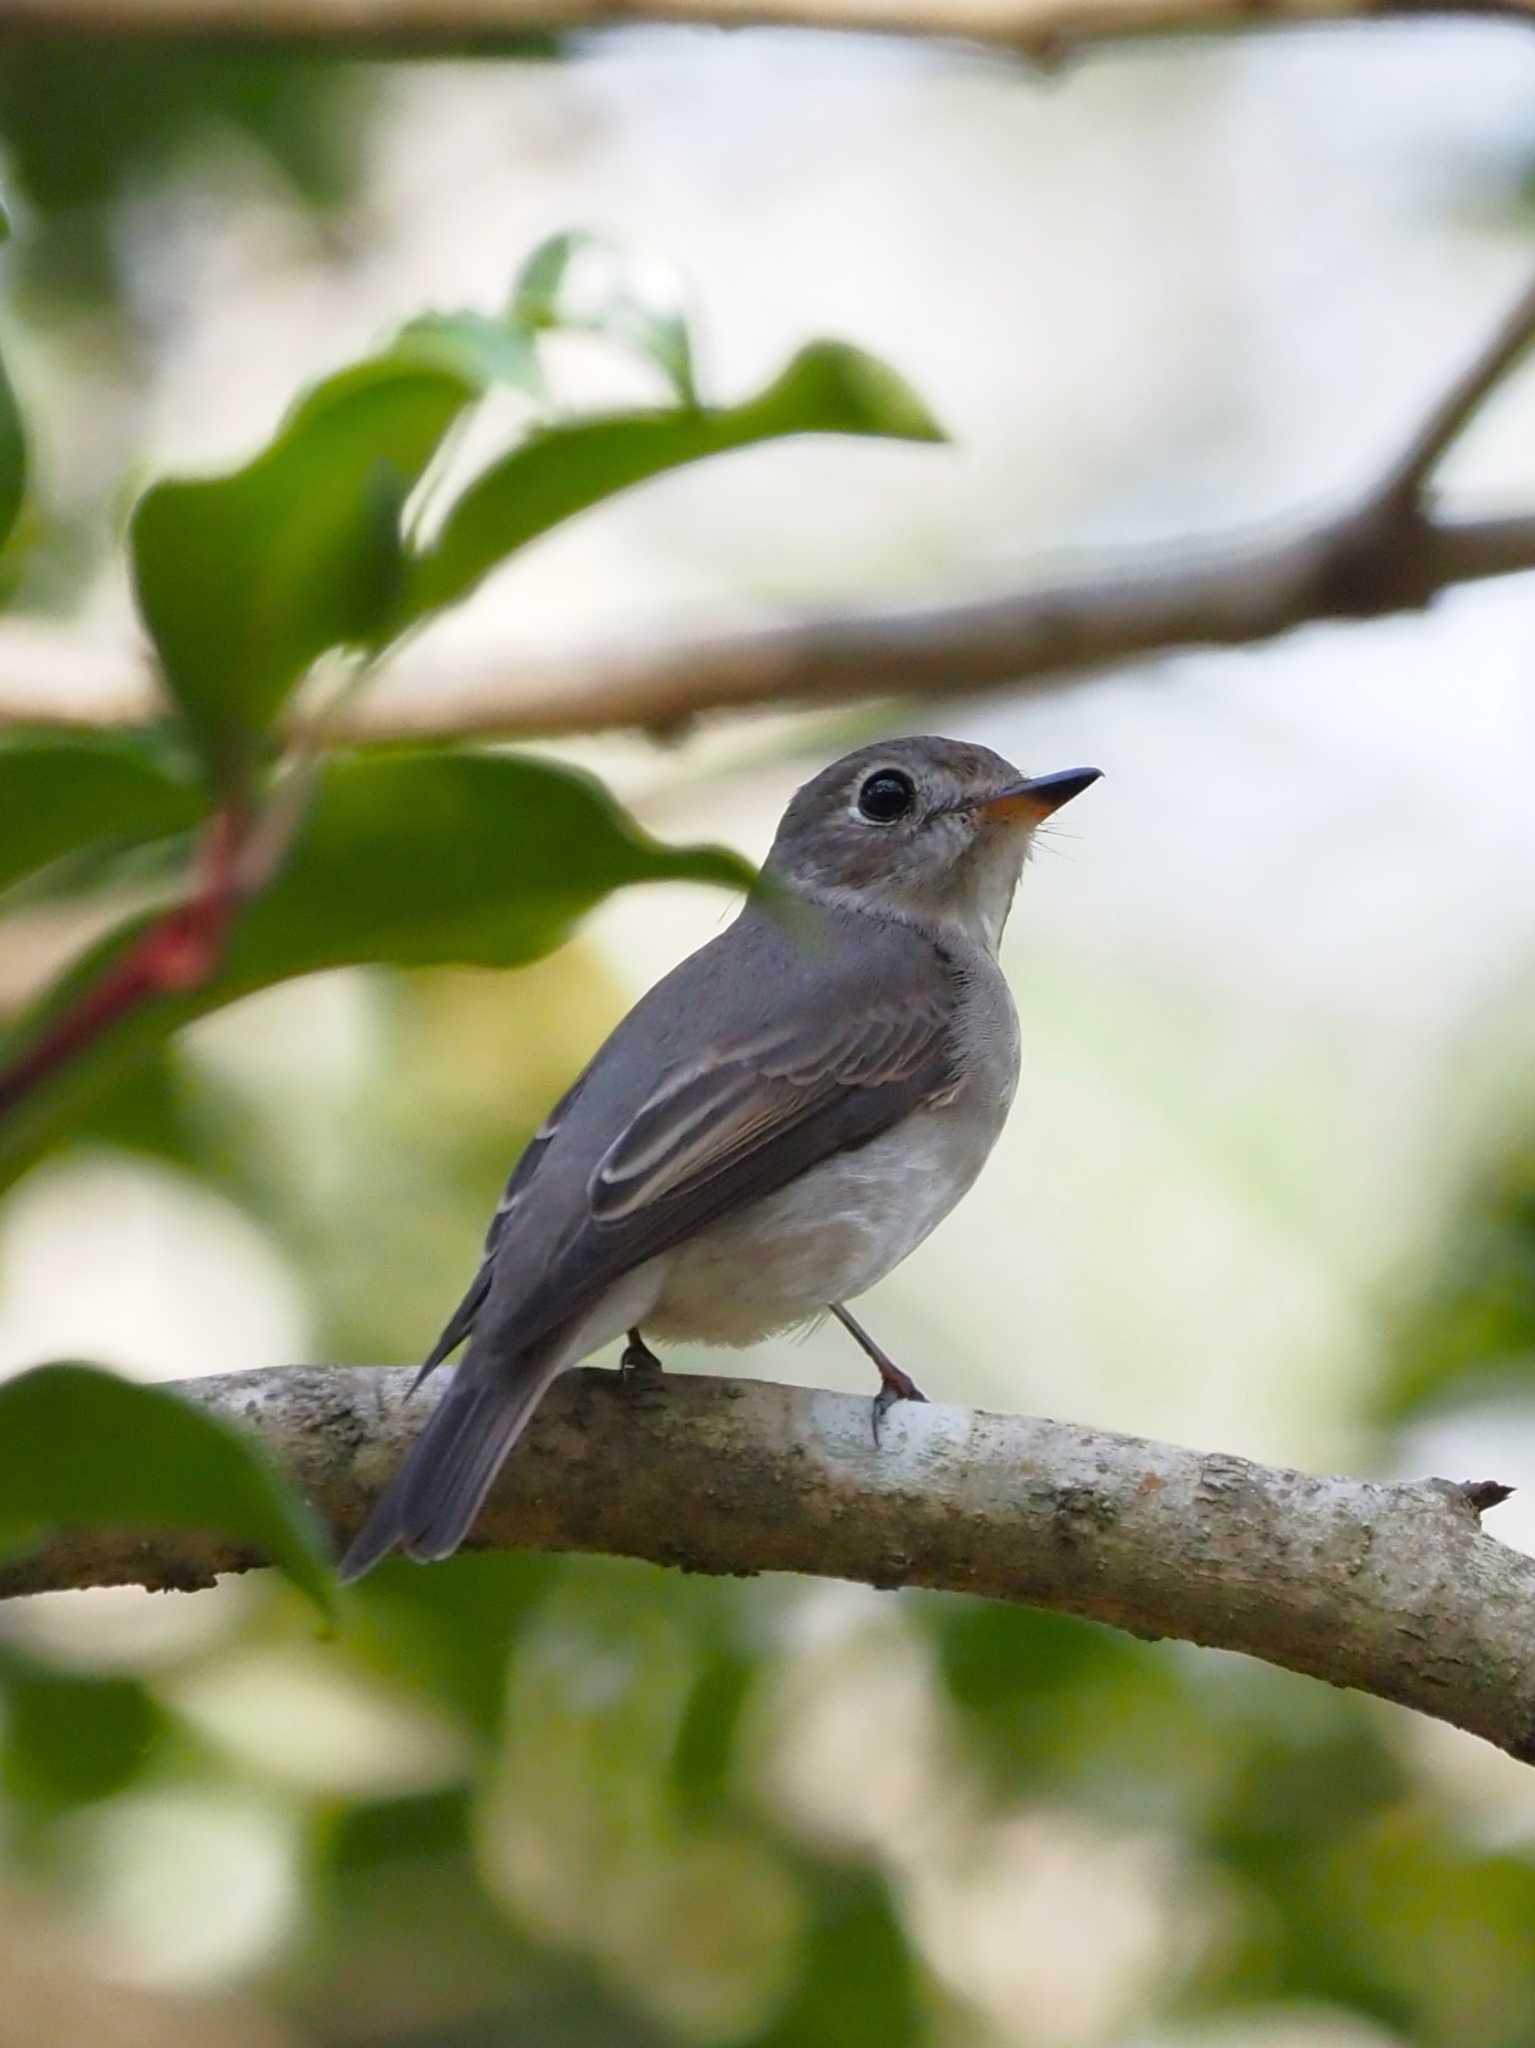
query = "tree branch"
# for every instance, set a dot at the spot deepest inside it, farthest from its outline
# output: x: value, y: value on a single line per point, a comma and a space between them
x: 1394, y: 1589
x: 1385, y: 554
x: 1459, y: 405
x: 1044, y: 30
x: 1366, y: 564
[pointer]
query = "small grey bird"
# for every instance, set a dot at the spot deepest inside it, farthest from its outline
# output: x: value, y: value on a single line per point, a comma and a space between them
x: 772, y: 1129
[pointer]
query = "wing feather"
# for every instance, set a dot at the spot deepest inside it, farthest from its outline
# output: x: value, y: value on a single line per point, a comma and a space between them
x: 696, y: 1126
x: 736, y: 1124
x: 460, y: 1325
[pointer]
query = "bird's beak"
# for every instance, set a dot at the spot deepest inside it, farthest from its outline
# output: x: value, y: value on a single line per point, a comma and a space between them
x: 1032, y: 801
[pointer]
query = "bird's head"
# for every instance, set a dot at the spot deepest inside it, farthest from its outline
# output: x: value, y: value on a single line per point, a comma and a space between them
x: 932, y: 831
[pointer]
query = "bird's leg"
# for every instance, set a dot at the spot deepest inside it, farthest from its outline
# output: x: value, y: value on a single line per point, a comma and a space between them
x: 894, y: 1385
x: 639, y: 1362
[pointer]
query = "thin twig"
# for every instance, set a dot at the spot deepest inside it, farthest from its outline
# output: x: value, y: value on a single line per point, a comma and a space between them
x: 241, y: 851
x: 1448, y: 420
x: 180, y: 950
x: 1385, y: 554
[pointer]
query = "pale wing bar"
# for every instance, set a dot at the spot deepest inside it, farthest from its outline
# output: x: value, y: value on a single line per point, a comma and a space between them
x: 698, y: 1125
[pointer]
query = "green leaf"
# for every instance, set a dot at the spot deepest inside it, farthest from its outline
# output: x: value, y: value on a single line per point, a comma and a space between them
x: 482, y: 347
x: 82, y: 1448
x: 586, y: 282
x: 709, y: 1730
x: 827, y: 389
x: 69, y: 1738
x: 13, y: 456
x: 430, y: 858
x: 451, y: 1634
x: 857, y: 1979
x: 411, y: 859
x: 1464, y: 1331
x: 244, y: 580
x: 58, y: 795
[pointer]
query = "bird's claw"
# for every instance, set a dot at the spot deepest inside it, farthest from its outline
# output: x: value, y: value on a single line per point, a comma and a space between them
x: 639, y: 1370
x: 894, y: 1386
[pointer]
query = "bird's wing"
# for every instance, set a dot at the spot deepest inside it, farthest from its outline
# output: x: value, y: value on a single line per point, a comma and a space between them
x: 750, y: 1106
x: 462, y: 1321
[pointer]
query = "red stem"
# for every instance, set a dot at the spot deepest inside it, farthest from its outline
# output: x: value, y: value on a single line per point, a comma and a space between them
x: 179, y: 951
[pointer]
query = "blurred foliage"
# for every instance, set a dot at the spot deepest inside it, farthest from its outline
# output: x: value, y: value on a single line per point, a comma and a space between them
x: 72, y: 1739
x: 582, y: 281
x: 13, y: 444
x: 407, y: 860
x: 79, y: 1446
x: 621, y: 1700
x: 86, y: 125
x: 61, y: 795
x: 827, y: 389
x: 245, y: 582
x: 582, y: 1803
x: 1470, y: 1332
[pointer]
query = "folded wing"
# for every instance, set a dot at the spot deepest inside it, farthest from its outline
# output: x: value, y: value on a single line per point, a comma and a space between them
x: 735, y: 1122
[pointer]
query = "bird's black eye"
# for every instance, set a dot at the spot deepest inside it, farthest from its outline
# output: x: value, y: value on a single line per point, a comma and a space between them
x: 886, y: 796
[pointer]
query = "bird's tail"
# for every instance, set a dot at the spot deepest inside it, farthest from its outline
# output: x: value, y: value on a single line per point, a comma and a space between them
x: 429, y: 1505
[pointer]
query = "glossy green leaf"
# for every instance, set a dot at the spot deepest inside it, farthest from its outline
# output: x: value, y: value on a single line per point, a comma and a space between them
x: 244, y: 580
x: 411, y: 859
x: 827, y: 389
x: 59, y: 795
x: 431, y: 858
x: 586, y: 282
x: 80, y: 1448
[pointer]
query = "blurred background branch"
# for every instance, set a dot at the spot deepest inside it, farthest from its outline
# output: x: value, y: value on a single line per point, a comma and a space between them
x: 1384, y: 557
x: 1388, y: 553
x: 1394, y: 1589
x: 1045, y: 30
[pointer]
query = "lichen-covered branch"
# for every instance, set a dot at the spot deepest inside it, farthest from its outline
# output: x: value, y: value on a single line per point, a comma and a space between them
x: 1394, y: 1589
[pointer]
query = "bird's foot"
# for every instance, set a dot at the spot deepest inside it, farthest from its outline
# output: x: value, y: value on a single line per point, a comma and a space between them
x: 639, y: 1370
x: 895, y: 1385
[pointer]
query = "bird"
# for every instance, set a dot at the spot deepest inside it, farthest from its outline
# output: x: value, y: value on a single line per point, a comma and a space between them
x: 772, y: 1129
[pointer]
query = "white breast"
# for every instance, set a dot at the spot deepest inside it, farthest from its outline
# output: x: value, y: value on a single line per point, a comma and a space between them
x: 832, y: 1233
